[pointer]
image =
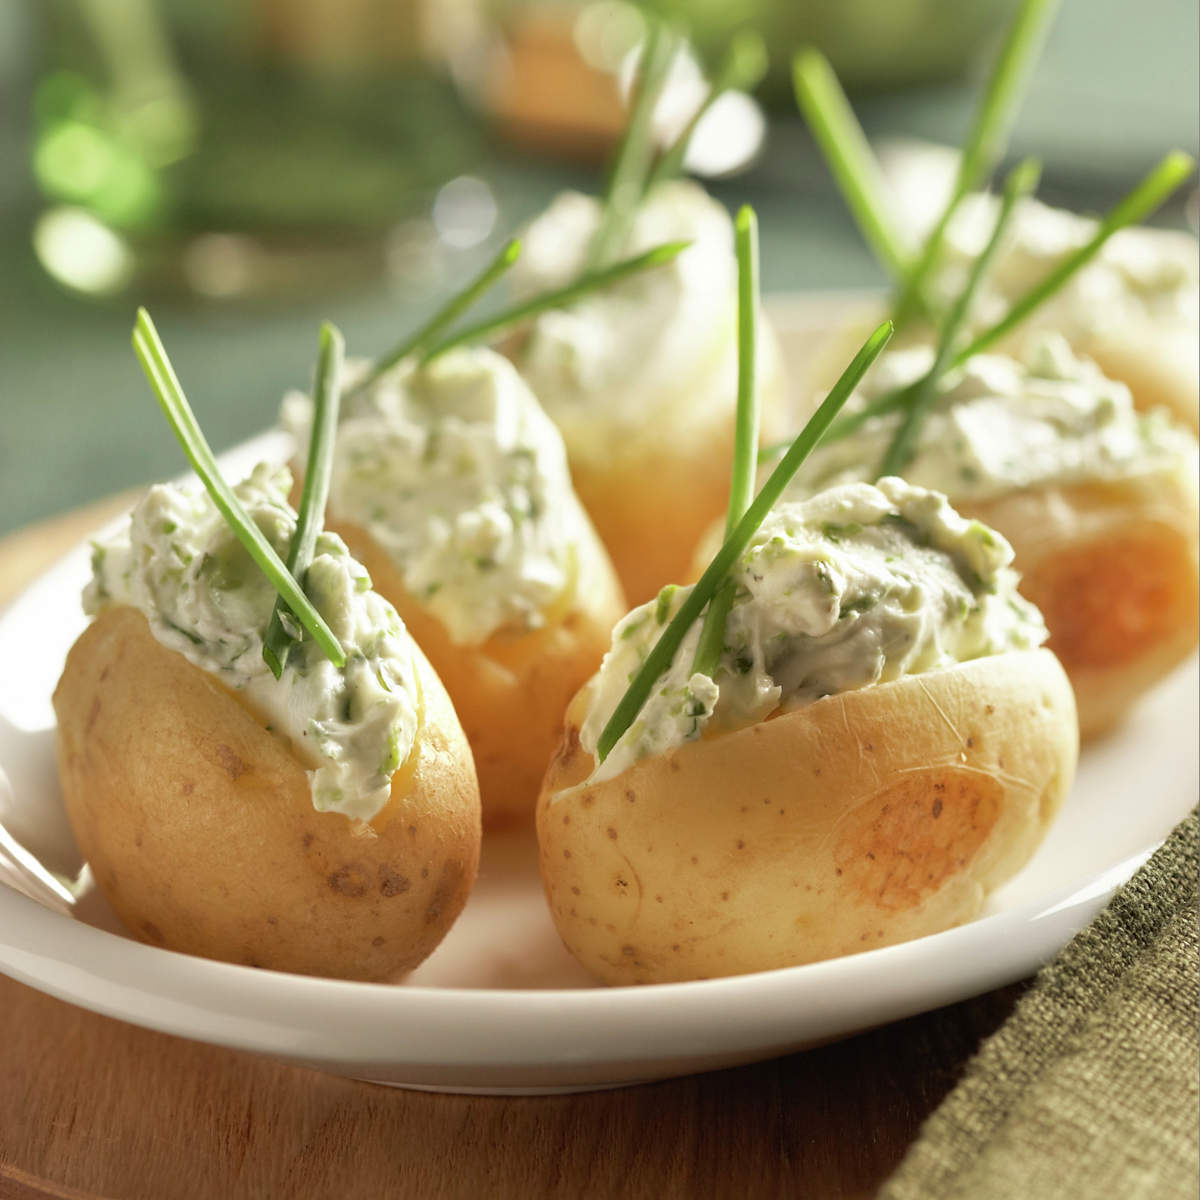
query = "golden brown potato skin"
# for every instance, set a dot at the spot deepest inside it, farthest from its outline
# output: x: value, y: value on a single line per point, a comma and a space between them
x: 1114, y: 570
x: 200, y: 830
x: 861, y: 820
x: 511, y: 691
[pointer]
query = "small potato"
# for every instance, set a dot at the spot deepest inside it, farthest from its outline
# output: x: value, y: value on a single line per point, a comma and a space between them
x: 1114, y: 570
x: 511, y: 691
x: 861, y: 820
x: 199, y: 826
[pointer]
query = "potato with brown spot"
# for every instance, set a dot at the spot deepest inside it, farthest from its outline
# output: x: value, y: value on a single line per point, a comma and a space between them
x: 237, y: 864
x: 879, y: 847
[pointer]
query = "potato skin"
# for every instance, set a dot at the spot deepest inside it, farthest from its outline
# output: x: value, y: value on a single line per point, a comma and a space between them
x: 511, y: 691
x: 200, y: 830
x: 1114, y: 569
x: 864, y: 819
x: 652, y: 502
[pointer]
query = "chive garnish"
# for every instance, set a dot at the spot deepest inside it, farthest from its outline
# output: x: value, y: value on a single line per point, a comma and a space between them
x: 443, y: 318
x: 1021, y: 182
x: 317, y: 473
x: 988, y: 136
x: 851, y: 159
x: 745, y: 435
x: 627, y: 179
x: 590, y: 281
x: 153, y: 357
x: 1149, y: 194
x: 663, y: 651
x: 741, y: 70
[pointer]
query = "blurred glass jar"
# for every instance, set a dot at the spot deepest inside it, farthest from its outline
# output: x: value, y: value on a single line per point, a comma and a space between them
x: 240, y: 148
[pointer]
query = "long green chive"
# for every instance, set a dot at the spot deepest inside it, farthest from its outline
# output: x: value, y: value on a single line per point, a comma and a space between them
x: 150, y: 351
x: 1168, y: 175
x: 663, y: 651
x: 741, y: 70
x: 1022, y: 181
x: 444, y: 317
x: 745, y: 436
x: 988, y: 136
x: 627, y: 180
x: 850, y: 158
x: 317, y: 473
x: 591, y: 281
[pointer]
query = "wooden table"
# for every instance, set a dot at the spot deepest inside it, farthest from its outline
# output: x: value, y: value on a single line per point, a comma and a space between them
x: 91, y: 1107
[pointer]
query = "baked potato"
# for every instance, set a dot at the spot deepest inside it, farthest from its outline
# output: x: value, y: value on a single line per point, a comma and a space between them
x: 451, y: 487
x: 302, y: 824
x: 842, y: 781
x: 864, y: 819
x: 1098, y: 502
x: 641, y: 379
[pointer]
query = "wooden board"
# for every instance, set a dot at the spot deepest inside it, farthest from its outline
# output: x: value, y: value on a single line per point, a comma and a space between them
x: 91, y: 1107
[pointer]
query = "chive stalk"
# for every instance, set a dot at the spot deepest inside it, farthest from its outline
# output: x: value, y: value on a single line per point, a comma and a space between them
x: 1148, y: 195
x: 591, y: 281
x: 850, y: 158
x: 745, y: 435
x: 627, y: 180
x: 317, y: 473
x: 741, y: 70
x: 163, y: 380
x: 988, y: 136
x: 669, y: 641
x: 443, y: 318
x: 1022, y: 181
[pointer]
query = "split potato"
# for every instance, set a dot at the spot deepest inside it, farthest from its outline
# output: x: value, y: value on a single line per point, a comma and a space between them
x: 861, y: 820
x: 510, y: 692
x: 199, y: 826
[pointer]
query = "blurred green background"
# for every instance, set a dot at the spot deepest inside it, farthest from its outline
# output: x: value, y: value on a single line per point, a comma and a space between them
x: 257, y: 167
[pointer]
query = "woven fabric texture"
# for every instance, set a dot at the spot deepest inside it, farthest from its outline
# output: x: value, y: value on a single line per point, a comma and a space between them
x: 1090, y: 1088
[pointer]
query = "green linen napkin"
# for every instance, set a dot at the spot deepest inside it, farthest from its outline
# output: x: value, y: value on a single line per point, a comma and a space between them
x: 1090, y: 1088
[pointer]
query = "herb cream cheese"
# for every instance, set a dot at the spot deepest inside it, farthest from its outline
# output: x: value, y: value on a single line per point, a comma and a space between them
x: 857, y: 585
x: 1140, y: 276
x: 1000, y: 424
x: 462, y: 479
x: 652, y: 356
x: 180, y: 564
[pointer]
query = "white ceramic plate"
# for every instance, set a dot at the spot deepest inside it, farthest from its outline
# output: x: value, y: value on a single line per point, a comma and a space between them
x: 501, y: 1007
